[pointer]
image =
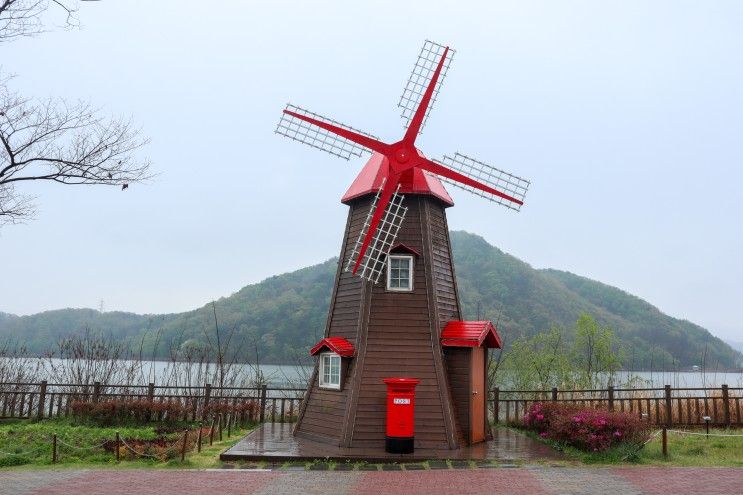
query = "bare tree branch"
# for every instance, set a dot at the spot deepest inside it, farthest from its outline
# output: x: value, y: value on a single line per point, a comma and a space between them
x: 22, y: 18
x: 52, y: 140
x: 14, y: 208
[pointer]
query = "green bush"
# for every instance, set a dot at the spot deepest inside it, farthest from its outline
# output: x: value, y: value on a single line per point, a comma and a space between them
x: 114, y: 412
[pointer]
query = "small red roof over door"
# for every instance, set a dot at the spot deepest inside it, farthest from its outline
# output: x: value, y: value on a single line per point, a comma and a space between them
x: 338, y: 345
x: 470, y: 334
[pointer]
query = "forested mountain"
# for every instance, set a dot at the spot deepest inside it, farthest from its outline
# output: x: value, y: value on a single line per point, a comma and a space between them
x: 282, y: 316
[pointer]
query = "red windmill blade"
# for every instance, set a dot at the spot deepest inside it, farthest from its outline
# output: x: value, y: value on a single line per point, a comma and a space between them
x: 373, y: 261
x: 387, y: 213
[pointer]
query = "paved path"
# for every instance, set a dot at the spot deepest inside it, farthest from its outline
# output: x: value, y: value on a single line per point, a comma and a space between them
x: 493, y: 480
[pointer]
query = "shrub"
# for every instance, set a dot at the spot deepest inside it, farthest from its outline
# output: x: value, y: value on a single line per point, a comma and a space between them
x: 117, y: 411
x: 14, y: 460
x: 247, y: 408
x: 592, y: 430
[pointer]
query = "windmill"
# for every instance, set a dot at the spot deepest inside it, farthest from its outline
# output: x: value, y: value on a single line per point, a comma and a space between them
x: 363, y: 315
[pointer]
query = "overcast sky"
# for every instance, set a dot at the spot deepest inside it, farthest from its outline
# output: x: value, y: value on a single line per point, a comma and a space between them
x: 626, y: 116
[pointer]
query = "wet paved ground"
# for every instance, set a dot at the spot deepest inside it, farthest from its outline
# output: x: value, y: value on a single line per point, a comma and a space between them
x: 274, y: 441
x: 494, y: 479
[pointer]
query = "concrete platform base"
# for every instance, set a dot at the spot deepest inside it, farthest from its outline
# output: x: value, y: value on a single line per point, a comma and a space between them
x: 274, y: 442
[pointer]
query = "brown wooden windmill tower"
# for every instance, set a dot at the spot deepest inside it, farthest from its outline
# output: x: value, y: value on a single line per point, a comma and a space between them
x: 394, y: 310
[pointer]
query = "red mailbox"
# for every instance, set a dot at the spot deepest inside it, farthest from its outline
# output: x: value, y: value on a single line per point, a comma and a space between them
x: 400, y: 432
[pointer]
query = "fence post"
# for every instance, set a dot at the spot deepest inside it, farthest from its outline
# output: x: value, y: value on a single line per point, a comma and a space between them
x: 42, y: 400
x: 151, y: 392
x: 198, y: 440
x: 183, y: 447
x: 211, y: 431
x: 229, y: 425
x: 262, y: 414
x: 54, y: 448
x: 118, y: 447
x: 220, y: 426
x: 96, y: 391
x: 554, y: 393
x: 610, y: 392
x: 665, y: 442
x: 496, y: 404
x: 207, y: 395
x: 726, y: 405
x: 669, y: 410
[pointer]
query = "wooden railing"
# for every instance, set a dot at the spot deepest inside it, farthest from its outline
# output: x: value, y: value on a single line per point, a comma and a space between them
x: 658, y: 406
x: 47, y: 400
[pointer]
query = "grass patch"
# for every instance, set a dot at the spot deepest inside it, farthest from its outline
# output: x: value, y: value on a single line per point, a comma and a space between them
x: 28, y: 442
x: 683, y: 450
x: 697, y: 450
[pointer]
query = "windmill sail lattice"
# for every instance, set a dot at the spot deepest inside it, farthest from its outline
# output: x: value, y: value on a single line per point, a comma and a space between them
x: 374, y: 260
x: 510, y: 184
x: 419, y: 79
x: 307, y: 133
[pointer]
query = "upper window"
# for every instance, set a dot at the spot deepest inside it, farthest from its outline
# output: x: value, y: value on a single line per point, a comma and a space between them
x: 330, y: 370
x: 400, y: 273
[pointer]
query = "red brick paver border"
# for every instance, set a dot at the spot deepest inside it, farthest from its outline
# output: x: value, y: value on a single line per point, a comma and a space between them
x: 454, y: 482
x: 684, y: 480
x: 529, y: 480
x: 161, y: 482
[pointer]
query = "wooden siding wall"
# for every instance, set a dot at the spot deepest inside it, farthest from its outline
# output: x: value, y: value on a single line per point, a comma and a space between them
x: 447, y: 301
x: 443, y: 269
x: 325, y: 411
x: 399, y: 343
x: 394, y: 336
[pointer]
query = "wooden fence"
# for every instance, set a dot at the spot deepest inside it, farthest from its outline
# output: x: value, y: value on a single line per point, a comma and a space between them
x: 658, y: 406
x: 47, y: 400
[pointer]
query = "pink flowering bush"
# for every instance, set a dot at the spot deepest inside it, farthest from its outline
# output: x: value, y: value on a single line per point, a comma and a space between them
x: 592, y: 430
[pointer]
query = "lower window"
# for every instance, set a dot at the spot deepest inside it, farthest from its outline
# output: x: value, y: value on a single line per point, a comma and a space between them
x: 330, y: 370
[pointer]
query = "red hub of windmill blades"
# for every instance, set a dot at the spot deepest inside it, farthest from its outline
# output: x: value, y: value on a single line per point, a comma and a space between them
x: 402, y: 157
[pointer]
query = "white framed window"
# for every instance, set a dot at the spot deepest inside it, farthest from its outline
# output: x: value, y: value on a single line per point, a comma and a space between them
x: 400, y: 272
x: 330, y: 370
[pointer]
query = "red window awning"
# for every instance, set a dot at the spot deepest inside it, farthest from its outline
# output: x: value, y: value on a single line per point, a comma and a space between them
x: 471, y: 334
x: 402, y: 248
x: 338, y: 345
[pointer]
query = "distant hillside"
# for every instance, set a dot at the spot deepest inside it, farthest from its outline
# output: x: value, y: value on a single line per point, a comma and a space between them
x: 527, y: 301
x: 286, y: 314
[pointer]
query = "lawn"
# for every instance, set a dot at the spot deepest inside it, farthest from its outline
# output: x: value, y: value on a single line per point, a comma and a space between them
x: 683, y: 450
x: 26, y: 442
x: 696, y: 450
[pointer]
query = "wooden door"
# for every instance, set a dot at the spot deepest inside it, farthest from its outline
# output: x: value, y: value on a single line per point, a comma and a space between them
x: 477, y: 395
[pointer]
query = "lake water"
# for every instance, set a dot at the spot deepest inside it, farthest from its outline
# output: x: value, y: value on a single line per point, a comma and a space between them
x: 684, y: 379
x: 287, y: 376
x: 297, y: 376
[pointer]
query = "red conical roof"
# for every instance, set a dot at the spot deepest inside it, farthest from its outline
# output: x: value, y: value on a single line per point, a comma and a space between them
x: 413, y: 181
